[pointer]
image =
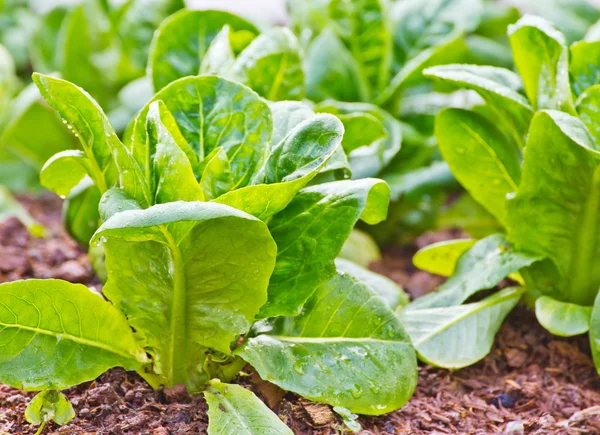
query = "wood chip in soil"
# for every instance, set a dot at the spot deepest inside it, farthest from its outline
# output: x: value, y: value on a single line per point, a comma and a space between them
x: 531, y: 383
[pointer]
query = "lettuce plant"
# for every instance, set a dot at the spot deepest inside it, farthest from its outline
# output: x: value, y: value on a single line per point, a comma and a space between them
x: 529, y: 156
x: 344, y: 68
x: 211, y: 233
x: 373, y: 52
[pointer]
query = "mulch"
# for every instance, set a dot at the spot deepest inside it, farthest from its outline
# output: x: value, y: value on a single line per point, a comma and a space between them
x: 530, y: 383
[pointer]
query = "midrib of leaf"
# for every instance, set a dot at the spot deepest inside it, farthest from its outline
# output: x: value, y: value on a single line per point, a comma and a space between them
x: 64, y: 336
x: 493, y: 155
x: 584, y: 248
x: 239, y: 417
x: 321, y: 340
x: 178, y: 320
x: 463, y: 316
x: 278, y: 77
x: 98, y: 174
x: 201, y: 118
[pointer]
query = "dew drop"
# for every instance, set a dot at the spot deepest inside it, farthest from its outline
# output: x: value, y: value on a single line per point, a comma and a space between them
x: 298, y: 368
x: 356, y: 391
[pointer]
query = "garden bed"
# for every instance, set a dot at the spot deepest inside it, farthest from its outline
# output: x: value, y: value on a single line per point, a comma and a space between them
x: 531, y: 382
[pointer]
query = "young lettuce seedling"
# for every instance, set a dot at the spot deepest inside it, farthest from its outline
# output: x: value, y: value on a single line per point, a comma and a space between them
x: 207, y: 226
x: 533, y: 163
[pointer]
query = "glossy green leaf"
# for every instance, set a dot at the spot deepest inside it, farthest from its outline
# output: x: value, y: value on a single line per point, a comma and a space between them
x: 115, y: 201
x: 307, y: 247
x: 57, y: 335
x: 372, y: 136
x: 482, y: 267
x: 212, y: 112
x: 219, y: 57
x: 304, y: 150
x: 458, y: 336
x: 100, y: 143
x: 587, y: 108
x: 81, y: 217
x: 562, y: 318
x: 441, y: 258
x: 555, y: 212
x: 272, y: 66
x: 345, y: 349
x: 65, y: 170
x: 216, y: 176
x: 49, y: 405
x: 292, y: 164
x: 584, y: 65
x: 233, y: 410
x: 206, y: 269
x: 572, y: 17
x: 389, y: 291
x: 542, y: 58
x: 182, y: 40
x: 173, y: 177
x: 498, y: 87
x: 10, y: 207
x: 286, y: 116
x: 486, y: 164
x: 332, y: 72
x: 360, y: 248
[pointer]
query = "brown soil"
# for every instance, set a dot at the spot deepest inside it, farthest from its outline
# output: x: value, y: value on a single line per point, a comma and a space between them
x: 531, y: 383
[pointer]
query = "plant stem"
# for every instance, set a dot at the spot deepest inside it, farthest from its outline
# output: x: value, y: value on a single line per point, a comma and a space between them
x: 41, y: 428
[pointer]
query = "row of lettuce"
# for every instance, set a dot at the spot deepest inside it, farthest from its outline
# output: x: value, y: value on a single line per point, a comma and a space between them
x: 218, y: 170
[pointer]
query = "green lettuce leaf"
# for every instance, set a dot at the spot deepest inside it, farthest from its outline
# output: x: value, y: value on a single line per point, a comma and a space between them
x: 206, y: 269
x: 482, y: 267
x: 346, y: 349
x: 59, y: 334
x: 306, y: 242
x: 542, y: 58
x: 182, y: 41
x: 485, y: 163
x: 234, y: 410
x: 562, y: 318
x: 458, y: 336
x: 559, y: 223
